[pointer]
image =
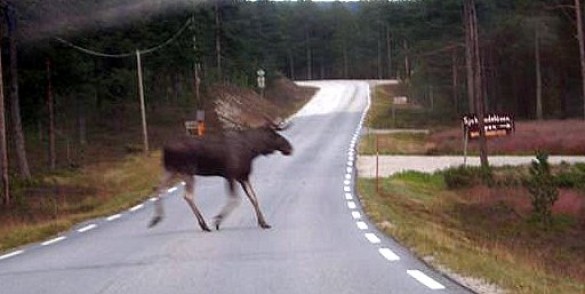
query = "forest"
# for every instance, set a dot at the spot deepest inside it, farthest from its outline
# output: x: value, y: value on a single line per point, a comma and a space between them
x: 71, y: 66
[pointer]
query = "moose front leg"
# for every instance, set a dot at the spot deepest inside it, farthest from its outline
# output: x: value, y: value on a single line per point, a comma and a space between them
x: 232, y: 202
x: 189, y: 195
x: 158, y: 206
x: 252, y: 196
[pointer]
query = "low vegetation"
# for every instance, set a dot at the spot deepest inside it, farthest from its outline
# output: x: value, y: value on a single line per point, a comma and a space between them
x: 519, y: 228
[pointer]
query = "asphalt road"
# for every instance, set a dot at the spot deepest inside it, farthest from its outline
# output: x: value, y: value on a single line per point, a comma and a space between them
x: 320, y: 241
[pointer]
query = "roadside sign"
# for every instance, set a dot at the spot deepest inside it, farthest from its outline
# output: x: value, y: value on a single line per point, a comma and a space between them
x: 400, y: 100
x: 495, y: 125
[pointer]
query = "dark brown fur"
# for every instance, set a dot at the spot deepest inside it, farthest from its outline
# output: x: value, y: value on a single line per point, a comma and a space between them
x: 229, y: 156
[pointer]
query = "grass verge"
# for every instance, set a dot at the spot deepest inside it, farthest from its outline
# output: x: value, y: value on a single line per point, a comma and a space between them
x: 478, y: 239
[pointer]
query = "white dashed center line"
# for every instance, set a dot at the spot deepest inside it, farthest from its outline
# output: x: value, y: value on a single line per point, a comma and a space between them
x: 425, y: 280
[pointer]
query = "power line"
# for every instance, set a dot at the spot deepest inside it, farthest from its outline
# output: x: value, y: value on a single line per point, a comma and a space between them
x: 129, y: 54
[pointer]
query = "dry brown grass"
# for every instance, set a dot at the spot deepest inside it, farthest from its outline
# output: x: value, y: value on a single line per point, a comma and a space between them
x: 566, y: 137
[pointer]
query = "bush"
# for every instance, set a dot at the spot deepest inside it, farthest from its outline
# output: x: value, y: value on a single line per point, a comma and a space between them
x: 542, y: 187
x: 466, y: 176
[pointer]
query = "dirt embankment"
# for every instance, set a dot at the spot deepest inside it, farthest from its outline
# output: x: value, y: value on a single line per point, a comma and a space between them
x: 235, y: 107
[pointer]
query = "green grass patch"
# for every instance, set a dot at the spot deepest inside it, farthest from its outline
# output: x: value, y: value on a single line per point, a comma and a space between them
x: 395, y: 144
x: 477, y: 236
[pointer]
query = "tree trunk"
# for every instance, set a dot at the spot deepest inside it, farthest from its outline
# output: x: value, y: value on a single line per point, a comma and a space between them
x: 406, y: 62
x: 14, y: 96
x: 389, y: 51
x: 291, y: 64
x: 309, y: 55
x: 3, y: 145
x: 581, y: 48
x: 51, y: 110
x: 380, y: 66
x: 218, y: 40
x: 472, y: 39
x: 455, y: 82
x: 539, y: 114
x: 345, y: 61
x: 469, y: 58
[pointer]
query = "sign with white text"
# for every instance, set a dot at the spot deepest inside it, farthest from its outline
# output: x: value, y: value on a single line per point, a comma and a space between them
x: 495, y: 125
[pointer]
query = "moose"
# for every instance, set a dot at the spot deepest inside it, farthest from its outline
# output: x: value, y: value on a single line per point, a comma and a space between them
x: 228, y: 155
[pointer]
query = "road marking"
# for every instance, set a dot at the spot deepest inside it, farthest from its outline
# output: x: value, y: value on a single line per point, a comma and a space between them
x: 351, y: 205
x: 348, y: 196
x: 113, y: 217
x: 87, y: 228
x: 346, y: 182
x: 356, y: 214
x: 153, y: 199
x: 372, y: 238
x: 349, y: 169
x: 389, y: 254
x: 53, y: 241
x: 362, y: 225
x: 350, y: 163
x: 173, y: 189
x: 135, y: 208
x: 11, y: 254
x: 346, y: 189
x: 348, y: 176
x: 425, y: 280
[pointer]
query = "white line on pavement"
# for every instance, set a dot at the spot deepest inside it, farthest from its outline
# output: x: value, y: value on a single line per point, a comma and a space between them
x: 372, y: 238
x: 425, y: 280
x: 135, y: 208
x: 53, y: 241
x: 87, y: 228
x: 113, y: 217
x: 351, y: 205
x: 348, y: 196
x: 388, y: 254
x: 356, y: 214
x: 11, y: 254
x: 361, y: 225
x: 173, y: 189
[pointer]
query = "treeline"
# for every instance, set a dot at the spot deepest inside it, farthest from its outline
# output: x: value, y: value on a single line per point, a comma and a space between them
x: 528, y: 51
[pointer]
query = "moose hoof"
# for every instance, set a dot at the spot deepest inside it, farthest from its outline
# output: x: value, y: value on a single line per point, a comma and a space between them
x: 217, y: 222
x: 204, y: 227
x: 265, y: 226
x: 154, y: 221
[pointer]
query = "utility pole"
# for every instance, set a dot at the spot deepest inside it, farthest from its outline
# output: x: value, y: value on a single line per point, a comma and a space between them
x: 142, y: 107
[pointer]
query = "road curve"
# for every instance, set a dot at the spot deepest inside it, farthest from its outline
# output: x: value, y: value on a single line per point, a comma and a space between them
x: 320, y: 241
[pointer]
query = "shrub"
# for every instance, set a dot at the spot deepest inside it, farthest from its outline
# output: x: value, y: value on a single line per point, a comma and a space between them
x: 542, y: 187
x: 466, y: 176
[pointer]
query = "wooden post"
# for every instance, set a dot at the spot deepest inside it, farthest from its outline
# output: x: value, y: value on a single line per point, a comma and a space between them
x: 142, y: 107
x: 377, y: 164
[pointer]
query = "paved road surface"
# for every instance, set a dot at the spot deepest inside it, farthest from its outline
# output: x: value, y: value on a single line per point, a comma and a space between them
x: 319, y: 241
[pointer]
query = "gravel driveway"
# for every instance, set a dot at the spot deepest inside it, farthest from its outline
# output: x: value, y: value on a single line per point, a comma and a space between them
x: 389, y: 165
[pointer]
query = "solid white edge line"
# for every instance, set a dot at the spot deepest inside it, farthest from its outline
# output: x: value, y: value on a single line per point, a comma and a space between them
x: 361, y: 225
x: 113, y: 217
x: 135, y: 208
x: 425, y: 280
x: 389, y: 254
x: 11, y: 254
x: 351, y: 205
x: 53, y: 241
x: 356, y: 214
x: 87, y: 228
x: 372, y: 238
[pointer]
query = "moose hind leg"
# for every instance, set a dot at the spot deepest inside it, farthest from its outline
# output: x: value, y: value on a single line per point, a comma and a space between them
x: 232, y: 202
x: 189, y: 195
x: 252, y: 196
x: 158, y: 206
